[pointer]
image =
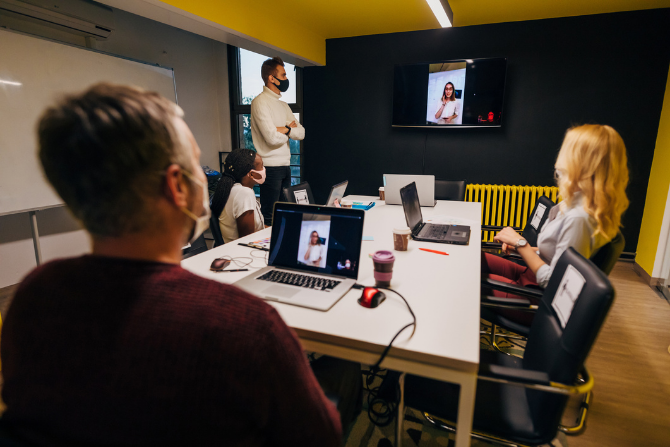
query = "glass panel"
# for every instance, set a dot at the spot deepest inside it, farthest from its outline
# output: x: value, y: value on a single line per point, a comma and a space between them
x: 244, y: 125
x: 295, y: 180
x: 295, y: 160
x: 294, y: 145
x: 251, y: 81
x: 295, y: 171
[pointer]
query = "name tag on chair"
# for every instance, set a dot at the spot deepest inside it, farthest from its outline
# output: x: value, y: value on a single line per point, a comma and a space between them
x: 568, y: 292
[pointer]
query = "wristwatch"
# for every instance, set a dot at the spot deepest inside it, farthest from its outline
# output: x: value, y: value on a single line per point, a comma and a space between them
x: 521, y: 243
x: 289, y: 131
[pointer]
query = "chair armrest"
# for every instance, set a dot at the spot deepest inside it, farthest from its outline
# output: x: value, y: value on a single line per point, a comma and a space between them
x: 538, y: 380
x: 511, y: 288
x: 520, y: 304
x: 498, y: 228
x: 513, y: 374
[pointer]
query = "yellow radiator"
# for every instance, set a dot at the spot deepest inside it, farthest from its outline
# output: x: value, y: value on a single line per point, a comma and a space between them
x: 506, y: 205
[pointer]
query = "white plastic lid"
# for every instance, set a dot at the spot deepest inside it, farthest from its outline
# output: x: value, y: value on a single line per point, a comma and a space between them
x: 381, y: 188
x: 346, y: 202
x: 404, y: 230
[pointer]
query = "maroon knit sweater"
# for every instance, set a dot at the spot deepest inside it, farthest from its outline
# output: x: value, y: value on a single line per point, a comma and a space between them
x: 108, y: 351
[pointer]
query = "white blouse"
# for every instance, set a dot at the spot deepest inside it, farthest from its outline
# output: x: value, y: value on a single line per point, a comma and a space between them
x: 572, y: 227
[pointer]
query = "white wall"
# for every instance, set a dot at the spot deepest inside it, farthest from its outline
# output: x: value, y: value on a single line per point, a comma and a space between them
x: 201, y: 74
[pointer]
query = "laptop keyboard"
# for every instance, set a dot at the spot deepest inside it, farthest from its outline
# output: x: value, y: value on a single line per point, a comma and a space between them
x: 296, y: 279
x: 434, y: 231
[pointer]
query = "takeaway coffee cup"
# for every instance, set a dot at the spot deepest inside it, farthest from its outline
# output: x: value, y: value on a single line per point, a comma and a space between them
x: 381, y: 193
x: 344, y: 203
x: 401, y: 238
x: 382, y: 262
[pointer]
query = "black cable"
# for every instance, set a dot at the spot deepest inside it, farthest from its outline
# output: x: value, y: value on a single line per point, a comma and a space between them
x: 375, y: 367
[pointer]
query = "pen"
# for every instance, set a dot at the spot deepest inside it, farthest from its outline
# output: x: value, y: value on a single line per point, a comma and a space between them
x: 434, y: 251
x: 236, y: 270
x: 257, y: 247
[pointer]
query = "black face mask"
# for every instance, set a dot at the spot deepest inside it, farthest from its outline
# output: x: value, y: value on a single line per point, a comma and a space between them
x: 283, y: 85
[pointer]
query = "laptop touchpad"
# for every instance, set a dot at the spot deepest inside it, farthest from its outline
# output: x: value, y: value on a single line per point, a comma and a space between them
x: 277, y: 291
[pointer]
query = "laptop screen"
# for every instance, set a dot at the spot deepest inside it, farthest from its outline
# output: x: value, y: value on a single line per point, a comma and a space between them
x: 317, y: 238
x: 410, y: 204
x: 337, y: 192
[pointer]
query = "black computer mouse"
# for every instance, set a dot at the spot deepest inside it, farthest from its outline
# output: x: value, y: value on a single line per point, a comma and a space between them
x: 371, y: 297
x: 219, y: 264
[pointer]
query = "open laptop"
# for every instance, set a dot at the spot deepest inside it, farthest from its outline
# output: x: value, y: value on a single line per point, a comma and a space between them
x: 337, y: 192
x: 425, y: 184
x: 446, y: 234
x: 314, y: 255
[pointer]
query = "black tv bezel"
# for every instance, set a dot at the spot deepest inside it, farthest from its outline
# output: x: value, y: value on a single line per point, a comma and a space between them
x: 455, y: 126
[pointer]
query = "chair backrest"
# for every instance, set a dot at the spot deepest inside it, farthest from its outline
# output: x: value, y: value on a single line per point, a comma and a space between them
x: 303, y: 192
x: 450, y: 190
x: 215, y: 229
x: 198, y: 246
x: 530, y: 232
x: 560, y: 350
x: 608, y: 254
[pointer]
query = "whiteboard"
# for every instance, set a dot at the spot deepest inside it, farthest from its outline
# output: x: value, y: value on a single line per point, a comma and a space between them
x: 34, y: 73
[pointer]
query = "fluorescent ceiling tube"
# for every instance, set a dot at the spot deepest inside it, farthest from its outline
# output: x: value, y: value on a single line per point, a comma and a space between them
x: 442, y: 12
x: 9, y: 82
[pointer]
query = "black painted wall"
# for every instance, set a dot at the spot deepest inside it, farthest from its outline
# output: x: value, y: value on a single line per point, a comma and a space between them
x: 606, y: 69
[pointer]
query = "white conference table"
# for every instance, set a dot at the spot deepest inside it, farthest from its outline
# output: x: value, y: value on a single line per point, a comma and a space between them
x: 444, y: 292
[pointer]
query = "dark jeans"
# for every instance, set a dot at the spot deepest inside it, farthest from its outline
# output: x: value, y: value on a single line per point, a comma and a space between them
x: 276, y: 179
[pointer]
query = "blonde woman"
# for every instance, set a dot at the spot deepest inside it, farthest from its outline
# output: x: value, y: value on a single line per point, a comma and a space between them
x: 591, y: 172
x: 314, y: 250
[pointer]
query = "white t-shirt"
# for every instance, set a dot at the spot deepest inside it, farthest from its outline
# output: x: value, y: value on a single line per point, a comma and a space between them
x: 449, y: 109
x: 314, y: 253
x: 241, y: 200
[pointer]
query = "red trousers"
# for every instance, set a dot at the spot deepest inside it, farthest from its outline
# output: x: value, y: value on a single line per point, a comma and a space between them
x: 510, y: 272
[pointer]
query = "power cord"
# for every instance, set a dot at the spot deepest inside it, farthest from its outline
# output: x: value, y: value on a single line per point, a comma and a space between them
x: 383, y: 405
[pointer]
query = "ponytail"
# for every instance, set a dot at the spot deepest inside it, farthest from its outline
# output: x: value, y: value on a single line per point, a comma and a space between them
x: 237, y: 165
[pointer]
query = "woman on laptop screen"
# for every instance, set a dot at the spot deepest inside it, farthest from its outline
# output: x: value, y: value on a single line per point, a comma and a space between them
x: 591, y: 173
x: 314, y: 253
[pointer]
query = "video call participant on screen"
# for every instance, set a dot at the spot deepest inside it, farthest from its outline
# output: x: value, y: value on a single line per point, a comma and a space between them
x: 592, y: 174
x: 123, y: 346
x: 234, y: 203
x: 315, y: 250
x: 272, y: 126
x: 449, y: 107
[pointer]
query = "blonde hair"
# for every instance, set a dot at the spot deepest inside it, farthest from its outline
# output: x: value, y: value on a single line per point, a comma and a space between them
x: 593, y: 161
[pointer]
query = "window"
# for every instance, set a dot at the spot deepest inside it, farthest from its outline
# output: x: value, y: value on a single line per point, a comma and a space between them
x: 245, y: 85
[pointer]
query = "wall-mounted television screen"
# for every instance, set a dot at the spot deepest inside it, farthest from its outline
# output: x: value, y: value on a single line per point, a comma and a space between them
x: 448, y: 94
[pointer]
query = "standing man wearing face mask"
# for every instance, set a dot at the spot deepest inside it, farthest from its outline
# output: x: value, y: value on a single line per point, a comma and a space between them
x: 147, y: 352
x: 272, y: 126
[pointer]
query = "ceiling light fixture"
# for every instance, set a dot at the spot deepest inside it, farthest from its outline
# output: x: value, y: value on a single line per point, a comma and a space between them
x: 10, y: 82
x: 442, y: 12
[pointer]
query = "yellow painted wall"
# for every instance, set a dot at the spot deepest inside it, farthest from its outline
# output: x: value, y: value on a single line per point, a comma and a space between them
x: 659, y: 181
x: 257, y: 19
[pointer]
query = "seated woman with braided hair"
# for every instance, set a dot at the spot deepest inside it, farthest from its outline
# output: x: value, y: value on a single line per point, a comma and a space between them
x: 234, y: 202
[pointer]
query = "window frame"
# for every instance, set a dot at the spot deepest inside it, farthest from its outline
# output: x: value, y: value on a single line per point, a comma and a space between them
x: 237, y: 109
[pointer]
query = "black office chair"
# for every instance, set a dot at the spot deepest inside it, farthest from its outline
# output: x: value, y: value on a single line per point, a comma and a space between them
x: 215, y: 229
x: 450, y: 190
x: 604, y: 259
x: 521, y: 400
x: 530, y: 232
x: 302, y: 189
x: 198, y: 246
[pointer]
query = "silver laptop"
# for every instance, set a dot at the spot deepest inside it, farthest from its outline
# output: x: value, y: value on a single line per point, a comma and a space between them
x: 337, y: 192
x: 421, y: 231
x: 425, y: 185
x: 314, y: 255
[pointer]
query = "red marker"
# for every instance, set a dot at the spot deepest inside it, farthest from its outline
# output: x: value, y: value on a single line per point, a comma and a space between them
x: 435, y: 251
